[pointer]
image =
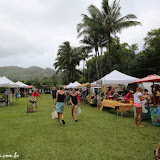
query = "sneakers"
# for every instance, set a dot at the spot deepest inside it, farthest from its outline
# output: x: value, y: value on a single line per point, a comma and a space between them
x: 76, y: 120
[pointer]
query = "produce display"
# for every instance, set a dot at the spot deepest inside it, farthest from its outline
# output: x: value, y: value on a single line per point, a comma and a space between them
x: 114, y: 102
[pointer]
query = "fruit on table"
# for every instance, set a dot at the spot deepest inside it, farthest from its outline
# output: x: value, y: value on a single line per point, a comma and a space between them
x: 115, y: 102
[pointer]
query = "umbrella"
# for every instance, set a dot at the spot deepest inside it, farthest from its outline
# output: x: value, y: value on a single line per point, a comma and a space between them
x: 31, y: 86
x: 150, y: 78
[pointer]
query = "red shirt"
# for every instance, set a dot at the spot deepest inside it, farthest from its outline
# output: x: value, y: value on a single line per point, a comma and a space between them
x: 129, y: 96
x: 35, y: 94
x: 109, y: 94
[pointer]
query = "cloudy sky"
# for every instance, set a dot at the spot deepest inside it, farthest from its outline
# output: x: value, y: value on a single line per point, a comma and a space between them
x: 32, y: 30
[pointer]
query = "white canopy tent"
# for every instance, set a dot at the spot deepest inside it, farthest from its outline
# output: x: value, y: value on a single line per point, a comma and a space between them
x: 116, y: 77
x: 3, y: 83
x: 10, y: 83
x: 73, y: 85
x: 22, y: 85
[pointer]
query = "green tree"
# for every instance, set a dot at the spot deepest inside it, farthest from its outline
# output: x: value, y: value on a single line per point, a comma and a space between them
x: 68, y: 58
x: 85, y: 54
x: 92, y: 36
x: 109, y: 21
x: 147, y: 61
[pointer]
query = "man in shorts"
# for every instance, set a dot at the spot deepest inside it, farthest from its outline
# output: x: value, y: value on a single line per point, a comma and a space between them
x: 54, y: 91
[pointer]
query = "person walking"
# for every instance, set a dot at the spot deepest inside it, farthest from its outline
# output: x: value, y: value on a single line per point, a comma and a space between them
x: 68, y: 96
x: 17, y: 94
x: 138, y: 98
x: 54, y: 91
x: 35, y: 96
x: 79, y: 95
x: 60, y: 103
x: 6, y: 95
x: 74, y: 103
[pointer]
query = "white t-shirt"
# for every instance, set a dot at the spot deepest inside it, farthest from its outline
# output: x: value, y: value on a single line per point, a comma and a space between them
x: 136, y: 97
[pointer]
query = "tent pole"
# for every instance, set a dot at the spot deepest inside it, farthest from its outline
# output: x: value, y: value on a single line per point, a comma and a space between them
x: 14, y: 95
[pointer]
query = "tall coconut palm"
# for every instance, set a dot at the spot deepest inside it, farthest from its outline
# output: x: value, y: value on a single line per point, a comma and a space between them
x: 85, y: 54
x: 108, y: 21
x: 67, y: 59
x: 91, y: 42
x: 91, y: 34
x: 112, y: 22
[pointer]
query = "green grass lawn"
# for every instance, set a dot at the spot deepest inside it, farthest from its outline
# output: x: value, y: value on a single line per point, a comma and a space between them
x: 97, y: 135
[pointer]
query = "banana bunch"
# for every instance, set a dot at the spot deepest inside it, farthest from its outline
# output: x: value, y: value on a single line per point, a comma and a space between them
x: 115, y: 102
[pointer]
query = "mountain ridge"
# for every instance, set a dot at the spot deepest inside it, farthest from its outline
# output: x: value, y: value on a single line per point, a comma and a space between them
x: 20, y: 73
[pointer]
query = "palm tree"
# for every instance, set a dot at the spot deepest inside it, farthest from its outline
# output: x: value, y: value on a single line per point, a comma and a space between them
x: 112, y: 22
x: 91, y: 34
x: 85, y: 54
x: 107, y: 22
x: 92, y: 43
x: 67, y: 59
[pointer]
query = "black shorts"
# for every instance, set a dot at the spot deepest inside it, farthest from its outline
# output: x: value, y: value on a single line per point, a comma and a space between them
x: 54, y: 96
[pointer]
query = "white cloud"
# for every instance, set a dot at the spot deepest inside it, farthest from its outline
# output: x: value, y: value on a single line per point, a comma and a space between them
x: 32, y: 30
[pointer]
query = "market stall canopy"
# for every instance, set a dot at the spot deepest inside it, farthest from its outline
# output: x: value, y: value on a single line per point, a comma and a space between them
x: 22, y: 85
x: 10, y: 83
x: 73, y: 85
x: 3, y: 83
x: 115, y: 77
x: 83, y: 85
x: 68, y: 85
x: 80, y: 85
x: 31, y: 86
x: 150, y: 78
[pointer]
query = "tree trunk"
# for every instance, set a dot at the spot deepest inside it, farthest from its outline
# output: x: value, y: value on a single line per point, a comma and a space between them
x: 109, y: 50
x: 100, y: 62
x: 97, y: 66
x: 89, y: 71
x: 83, y: 70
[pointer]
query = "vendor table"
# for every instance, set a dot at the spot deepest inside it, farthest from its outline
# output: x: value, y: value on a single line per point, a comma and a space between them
x: 121, y: 107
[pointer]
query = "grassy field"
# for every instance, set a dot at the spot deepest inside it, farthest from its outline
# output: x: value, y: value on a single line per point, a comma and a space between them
x: 97, y: 135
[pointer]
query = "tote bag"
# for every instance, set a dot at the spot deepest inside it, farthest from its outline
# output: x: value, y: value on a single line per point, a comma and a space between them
x: 79, y: 111
x: 54, y: 114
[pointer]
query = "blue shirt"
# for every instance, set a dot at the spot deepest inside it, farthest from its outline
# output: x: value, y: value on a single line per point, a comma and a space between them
x: 6, y: 93
x: 84, y: 93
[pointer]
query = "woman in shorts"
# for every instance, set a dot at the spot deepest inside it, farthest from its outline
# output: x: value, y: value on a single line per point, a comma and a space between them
x: 74, y: 103
x: 60, y: 104
x: 138, y: 98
